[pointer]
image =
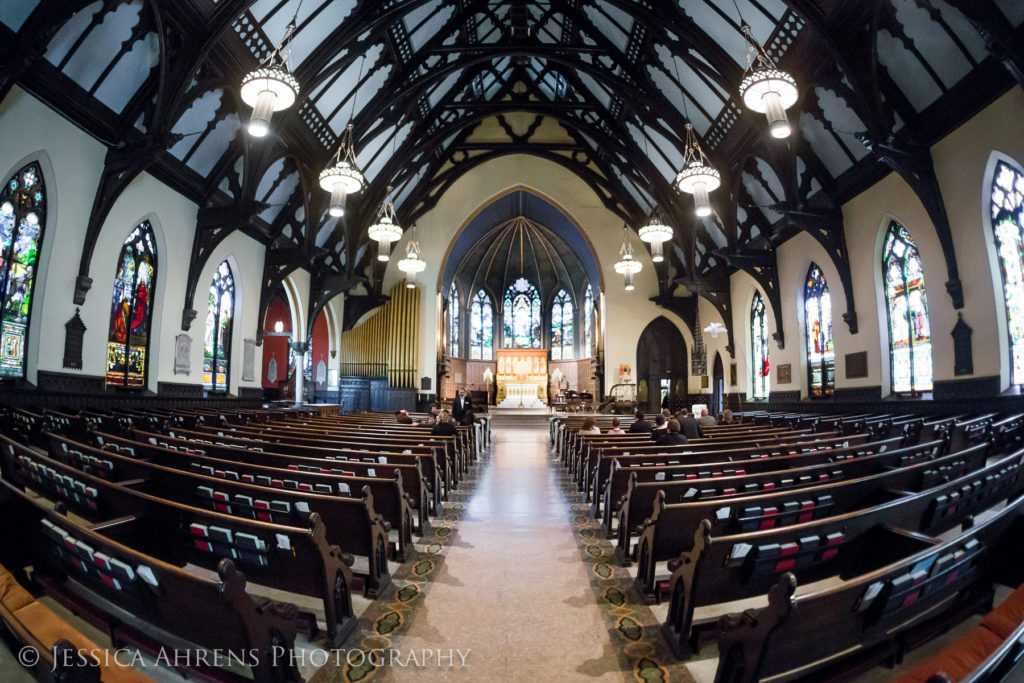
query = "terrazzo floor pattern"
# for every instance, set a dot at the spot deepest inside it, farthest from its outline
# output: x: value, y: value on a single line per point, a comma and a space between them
x: 513, y: 590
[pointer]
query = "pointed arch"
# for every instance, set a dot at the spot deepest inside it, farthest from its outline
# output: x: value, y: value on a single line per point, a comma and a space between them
x: 454, y: 320
x: 132, y: 310
x: 219, y: 323
x: 521, y: 316
x: 22, y: 223
x: 562, y: 327
x: 821, y: 360
x: 910, y: 343
x: 760, y: 370
x: 481, y: 327
x: 1006, y: 216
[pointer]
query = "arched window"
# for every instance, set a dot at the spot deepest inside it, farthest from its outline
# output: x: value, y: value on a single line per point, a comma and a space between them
x: 481, y: 327
x: 588, y: 322
x: 22, y: 219
x: 217, y: 346
x: 561, y: 327
x: 910, y: 341
x: 821, y: 359
x: 760, y: 370
x: 453, y: 321
x: 521, y: 317
x: 1008, y: 224
x: 132, y: 309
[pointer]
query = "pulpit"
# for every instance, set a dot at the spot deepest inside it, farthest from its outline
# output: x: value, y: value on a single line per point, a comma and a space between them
x: 522, y: 378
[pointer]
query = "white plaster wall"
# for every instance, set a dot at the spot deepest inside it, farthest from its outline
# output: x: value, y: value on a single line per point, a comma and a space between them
x: 245, y: 255
x: 71, y: 164
x: 627, y: 312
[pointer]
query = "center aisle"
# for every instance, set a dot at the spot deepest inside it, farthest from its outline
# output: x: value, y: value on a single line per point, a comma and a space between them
x: 513, y: 589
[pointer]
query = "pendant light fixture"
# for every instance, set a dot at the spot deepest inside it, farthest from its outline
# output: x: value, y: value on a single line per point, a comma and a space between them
x: 627, y: 264
x: 270, y: 87
x: 698, y: 176
x: 386, y: 229
x: 767, y: 89
x: 657, y: 232
x: 343, y: 177
x: 412, y: 264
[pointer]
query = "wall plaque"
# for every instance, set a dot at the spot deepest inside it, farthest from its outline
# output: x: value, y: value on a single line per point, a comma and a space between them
x: 963, y: 357
x: 857, y: 365
x: 784, y: 373
x: 74, y: 333
x: 182, y: 354
x: 249, y: 361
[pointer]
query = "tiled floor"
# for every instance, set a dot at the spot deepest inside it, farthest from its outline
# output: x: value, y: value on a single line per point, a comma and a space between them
x: 513, y: 591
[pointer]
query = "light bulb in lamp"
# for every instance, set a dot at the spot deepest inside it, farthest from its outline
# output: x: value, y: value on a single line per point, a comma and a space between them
x: 656, y: 232
x: 267, y: 89
x: 341, y: 180
x: 699, y: 179
x: 771, y: 92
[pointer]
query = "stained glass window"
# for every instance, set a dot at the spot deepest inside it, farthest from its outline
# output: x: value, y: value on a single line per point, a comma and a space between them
x: 588, y: 321
x: 521, y: 319
x: 217, y: 345
x: 761, y: 369
x: 22, y: 218
x: 821, y: 358
x: 561, y: 327
x: 1008, y: 224
x: 910, y: 341
x: 481, y: 327
x: 131, y: 310
x: 453, y: 321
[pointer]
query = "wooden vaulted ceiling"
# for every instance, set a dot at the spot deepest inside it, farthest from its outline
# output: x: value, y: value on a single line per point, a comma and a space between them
x: 436, y: 87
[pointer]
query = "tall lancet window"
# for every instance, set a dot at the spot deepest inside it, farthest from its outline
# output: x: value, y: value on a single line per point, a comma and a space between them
x: 132, y: 310
x: 22, y: 219
x: 454, y: 312
x: 910, y: 341
x: 588, y: 322
x: 561, y: 327
x: 761, y: 369
x: 521, y: 316
x: 481, y: 327
x: 821, y: 359
x: 1008, y: 224
x: 217, y: 344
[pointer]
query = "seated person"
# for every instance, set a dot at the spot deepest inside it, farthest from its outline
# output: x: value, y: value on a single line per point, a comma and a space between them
x: 431, y: 418
x: 672, y: 437
x: 660, y: 427
x: 727, y: 418
x: 402, y: 417
x: 616, y: 429
x: 689, y: 426
x: 590, y: 426
x: 444, y: 426
x: 468, y: 419
x: 640, y: 425
x: 705, y: 420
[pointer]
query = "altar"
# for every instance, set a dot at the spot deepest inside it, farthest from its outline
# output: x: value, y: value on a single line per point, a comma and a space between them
x: 522, y: 378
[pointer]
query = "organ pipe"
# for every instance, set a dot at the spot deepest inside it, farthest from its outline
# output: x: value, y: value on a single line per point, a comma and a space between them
x: 388, y: 342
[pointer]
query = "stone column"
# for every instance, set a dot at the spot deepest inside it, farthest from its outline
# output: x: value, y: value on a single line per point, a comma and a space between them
x: 300, y: 349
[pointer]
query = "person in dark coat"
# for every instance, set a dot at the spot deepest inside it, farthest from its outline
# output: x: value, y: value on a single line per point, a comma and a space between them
x: 673, y: 437
x: 468, y: 419
x: 640, y: 425
x: 460, y: 404
x: 444, y: 426
x: 689, y: 426
x: 660, y: 427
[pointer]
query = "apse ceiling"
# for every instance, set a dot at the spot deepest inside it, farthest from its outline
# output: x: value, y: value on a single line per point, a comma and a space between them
x: 433, y: 88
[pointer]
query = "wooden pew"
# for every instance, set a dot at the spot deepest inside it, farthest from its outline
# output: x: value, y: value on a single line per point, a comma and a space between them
x: 801, y: 638
x: 734, y: 566
x: 323, y: 476
x: 669, y: 530
x: 293, y: 558
x: 217, y: 615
